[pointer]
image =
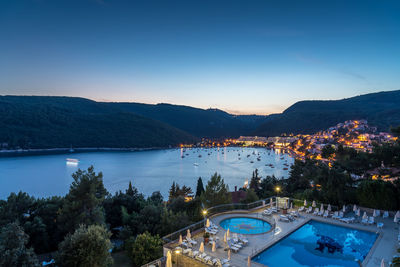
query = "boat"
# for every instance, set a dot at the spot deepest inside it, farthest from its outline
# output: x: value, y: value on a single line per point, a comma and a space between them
x: 195, y: 164
x: 199, y: 156
x: 285, y: 169
x: 251, y: 161
x: 72, y: 161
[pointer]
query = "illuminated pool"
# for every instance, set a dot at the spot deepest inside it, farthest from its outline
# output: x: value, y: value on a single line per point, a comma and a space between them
x: 319, y: 244
x: 245, y: 225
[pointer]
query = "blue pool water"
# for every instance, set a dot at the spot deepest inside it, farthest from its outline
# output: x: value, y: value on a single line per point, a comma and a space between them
x: 244, y: 225
x: 301, y: 249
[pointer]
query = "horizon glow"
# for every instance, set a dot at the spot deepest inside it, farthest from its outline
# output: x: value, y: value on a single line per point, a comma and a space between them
x: 243, y: 57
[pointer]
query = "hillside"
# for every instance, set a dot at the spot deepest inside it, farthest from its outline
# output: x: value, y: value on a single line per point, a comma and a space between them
x: 48, y: 122
x: 380, y: 109
x: 212, y: 123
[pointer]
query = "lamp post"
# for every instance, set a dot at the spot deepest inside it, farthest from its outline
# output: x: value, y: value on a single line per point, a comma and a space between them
x: 277, y: 190
x: 177, y: 252
x: 204, y: 215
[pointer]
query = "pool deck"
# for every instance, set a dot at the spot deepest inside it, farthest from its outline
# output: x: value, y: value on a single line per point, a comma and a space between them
x: 384, y: 247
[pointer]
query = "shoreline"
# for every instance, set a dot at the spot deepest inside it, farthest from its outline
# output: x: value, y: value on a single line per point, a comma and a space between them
x: 54, y: 151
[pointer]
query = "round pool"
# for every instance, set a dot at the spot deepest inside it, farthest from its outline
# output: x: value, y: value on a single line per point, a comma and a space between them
x: 245, y: 225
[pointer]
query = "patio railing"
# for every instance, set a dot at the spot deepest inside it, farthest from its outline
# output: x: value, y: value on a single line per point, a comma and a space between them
x: 158, y: 262
x: 213, y: 211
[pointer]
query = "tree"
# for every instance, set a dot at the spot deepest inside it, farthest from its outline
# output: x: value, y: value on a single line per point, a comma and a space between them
x: 86, y: 247
x: 83, y: 203
x: 131, y: 191
x: 378, y: 194
x: 251, y: 196
x: 255, y: 181
x: 199, y: 187
x: 13, y: 250
x: 176, y: 191
x: 145, y: 248
x: 216, y: 193
x: 327, y: 151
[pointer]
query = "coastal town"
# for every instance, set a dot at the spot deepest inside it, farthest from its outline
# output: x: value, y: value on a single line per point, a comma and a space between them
x: 321, y: 146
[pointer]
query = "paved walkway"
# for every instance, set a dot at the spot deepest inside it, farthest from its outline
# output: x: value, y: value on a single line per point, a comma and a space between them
x: 385, y: 246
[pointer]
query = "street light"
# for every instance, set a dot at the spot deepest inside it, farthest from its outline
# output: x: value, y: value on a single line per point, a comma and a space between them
x: 278, y: 189
x: 204, y: 212
x: 177, y: 252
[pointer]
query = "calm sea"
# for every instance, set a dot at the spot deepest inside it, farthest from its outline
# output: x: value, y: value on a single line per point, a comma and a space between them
x: 149, y: 171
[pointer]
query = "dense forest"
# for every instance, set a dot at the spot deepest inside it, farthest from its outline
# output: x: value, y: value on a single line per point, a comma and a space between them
x: 51, y: 122
x: 48, y: 122
x: 380, y: 109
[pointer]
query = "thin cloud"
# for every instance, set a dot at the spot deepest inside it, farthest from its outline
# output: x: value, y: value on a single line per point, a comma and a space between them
x: 315, y: 61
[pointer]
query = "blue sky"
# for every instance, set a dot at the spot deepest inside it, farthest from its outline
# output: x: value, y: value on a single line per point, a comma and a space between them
x: 240, y: 56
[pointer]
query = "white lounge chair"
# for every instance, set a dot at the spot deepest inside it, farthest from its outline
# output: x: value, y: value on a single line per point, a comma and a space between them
x: 187, y: 251
x: 207, y: 260
x: 283, y: 218
x: 233, y: 248
x: 326, y: 214
x: 321, y: 212
x: 191, y: 241
x: 335, y: 215
x: 340, y: 215
x: 302, y: 208
x: 316, y: 211
x: 309, y: 210
x: 364, y: 220
x: 195, y: 253
x: 371, y: 220
x: 347, y: 220
x: 385, y: 214
x: 244, y: 240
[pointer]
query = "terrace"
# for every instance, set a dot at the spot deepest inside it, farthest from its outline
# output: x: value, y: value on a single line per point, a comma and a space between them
x: 384, y: 247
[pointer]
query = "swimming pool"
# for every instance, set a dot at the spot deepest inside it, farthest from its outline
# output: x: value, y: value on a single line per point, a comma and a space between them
x: 245, y: 225
x: 319, y: 244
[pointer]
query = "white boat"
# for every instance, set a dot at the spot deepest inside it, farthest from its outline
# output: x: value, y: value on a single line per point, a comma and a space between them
x: 195, y: 164
x: 72, y: 161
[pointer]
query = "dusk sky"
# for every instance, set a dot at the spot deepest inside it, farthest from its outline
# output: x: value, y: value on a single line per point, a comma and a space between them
x: 239, y: 56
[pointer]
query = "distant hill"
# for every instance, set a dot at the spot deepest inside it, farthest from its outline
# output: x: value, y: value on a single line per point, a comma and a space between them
x: 211, y: 123
x: 380, y: 109
x: 49, y: 122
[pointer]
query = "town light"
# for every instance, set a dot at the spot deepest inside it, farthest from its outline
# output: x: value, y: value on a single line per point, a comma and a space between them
x: 204, y: 212
x: 277, y: 189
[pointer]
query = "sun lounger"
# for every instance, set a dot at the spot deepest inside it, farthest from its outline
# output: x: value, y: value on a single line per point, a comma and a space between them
x: 321, y: 212
x: 283, y: 218
x: 371, y: 220
x: 364, y: 221
x: 294, y: 213
x: 385, y: 214
x: 211, y: 231
x: 233, y: 248
x: 347, y: 220
x: 335, y: 215
x: 187, y: 251
x: 200, y: 257
x: 191, y: 241
x: 316, y: 211
x: 195, y: 253
x: 207, y: 259
x: 243, y: 240
x: 302, y: 208
x: 309, y: 210
x: 379, y: 225
x: 326, y: 214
